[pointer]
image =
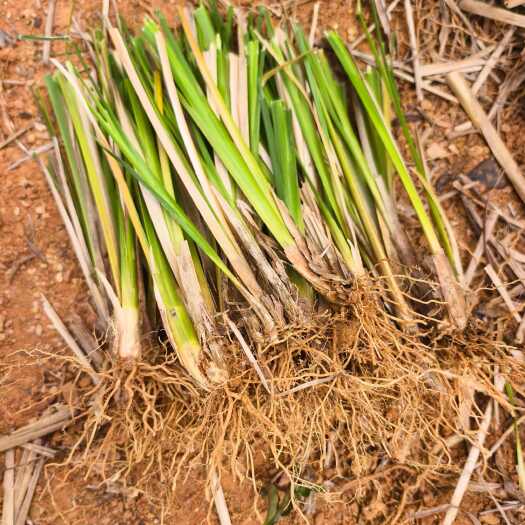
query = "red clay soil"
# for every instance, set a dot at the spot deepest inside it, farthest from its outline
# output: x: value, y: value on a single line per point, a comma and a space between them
x: 36, y: 258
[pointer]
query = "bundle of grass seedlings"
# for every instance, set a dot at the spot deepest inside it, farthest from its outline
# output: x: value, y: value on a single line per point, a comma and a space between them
x: 231, y: 192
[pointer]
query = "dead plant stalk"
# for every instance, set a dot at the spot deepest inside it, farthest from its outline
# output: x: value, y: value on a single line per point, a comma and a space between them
x: 482, y: 122
x: 468, y: 469
x: 495, y: 13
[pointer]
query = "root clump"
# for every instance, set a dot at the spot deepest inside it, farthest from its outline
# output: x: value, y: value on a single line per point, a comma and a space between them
x: 348, y: 390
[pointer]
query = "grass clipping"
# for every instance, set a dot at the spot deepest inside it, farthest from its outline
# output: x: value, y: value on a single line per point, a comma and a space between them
x: 222, y: 192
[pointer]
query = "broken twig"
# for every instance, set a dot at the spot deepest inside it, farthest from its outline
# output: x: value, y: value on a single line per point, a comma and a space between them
x: 61, y: 328
x: 15, y: 135
x: 504, y: 436
x: 249, y: 355
x: 24, y: 470
x: 371, y: 27
x: 403, y: 75
x: 383, y: 15
x: 23, y: 511
x: 30, y: 155
x: 480, y: 248
x: 308, y: 384
x: 468, y: 469
x: 492, y: 61
x: 425, y: 513
x: 494, y: 13
x: 47, y: 424
x: 8, y: 509
x: 500, y: 287
x: 40, y: 449
x: 466, y: 65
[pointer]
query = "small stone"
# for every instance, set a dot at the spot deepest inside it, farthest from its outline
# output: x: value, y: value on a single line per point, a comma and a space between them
x: 38, y: 330
x: 16, y: 211
x: 59, y: 277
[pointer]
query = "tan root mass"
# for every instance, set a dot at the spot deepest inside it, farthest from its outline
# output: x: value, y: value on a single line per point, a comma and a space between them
x: 345, y: 387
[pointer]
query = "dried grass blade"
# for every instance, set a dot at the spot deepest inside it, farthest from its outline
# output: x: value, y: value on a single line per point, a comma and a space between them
x: 468, y: 469
x: 23, y: 512
x: 80, y: 249
x: 61, y: 328
x: 409, y: 13
x: 46, y: 48
x: 495, y: 13
x: 8, y: 509
x: 249, y: 355
x: 43, y: 426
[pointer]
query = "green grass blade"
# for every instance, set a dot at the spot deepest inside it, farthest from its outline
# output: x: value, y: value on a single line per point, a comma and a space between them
x: 255, y: 61
x: 177, y: 322
x: 95, y: 174
x: 236, y: 155
x: 284, y: 161
x: 376, y: 118
x: 79, y: 187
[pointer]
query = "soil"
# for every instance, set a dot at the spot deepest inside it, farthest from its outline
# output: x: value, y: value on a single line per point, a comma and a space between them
x: 36, y: 258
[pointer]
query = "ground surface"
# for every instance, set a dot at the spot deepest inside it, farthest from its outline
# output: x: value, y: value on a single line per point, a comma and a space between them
x: 35, y: 258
